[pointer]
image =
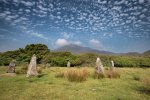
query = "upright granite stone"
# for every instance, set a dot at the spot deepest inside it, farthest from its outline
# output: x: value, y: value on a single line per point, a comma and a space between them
x: 112, y: 65
x: 32, y: 70
x: 68, y: 64
x: 11, y: 67
x: 99, y: 66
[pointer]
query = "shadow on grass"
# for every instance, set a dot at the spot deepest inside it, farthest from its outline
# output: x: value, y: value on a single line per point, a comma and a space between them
x: 32, y: 79
x: 41, y: 75
x: 145, y: 90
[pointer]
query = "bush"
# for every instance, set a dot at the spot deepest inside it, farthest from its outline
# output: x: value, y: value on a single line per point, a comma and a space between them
x: 77, y: 62
x: 60, y: 58
x: 124, y: 62
x: 76, y: 75
x: 144, y: 62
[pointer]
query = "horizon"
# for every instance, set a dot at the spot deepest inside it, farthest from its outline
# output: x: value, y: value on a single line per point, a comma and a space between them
x: 118, y: 26
x: 75, y: 45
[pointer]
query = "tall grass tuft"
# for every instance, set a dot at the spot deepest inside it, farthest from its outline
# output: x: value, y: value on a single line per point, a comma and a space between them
x: 112, y: 74
x: 146, y: 87
x: 76, y: 75
x: 21, y: 70
x: 146, y: 82
x: 98, y: 75
x: 39, y: 70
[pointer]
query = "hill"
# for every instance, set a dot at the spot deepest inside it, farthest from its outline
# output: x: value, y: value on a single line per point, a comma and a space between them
x: 76, y: 49
x: 146, y: 53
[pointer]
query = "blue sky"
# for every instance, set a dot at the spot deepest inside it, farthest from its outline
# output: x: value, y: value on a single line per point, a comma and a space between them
x: 112, y: 25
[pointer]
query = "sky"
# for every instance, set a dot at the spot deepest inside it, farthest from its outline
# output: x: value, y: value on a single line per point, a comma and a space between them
x: 113, y: 25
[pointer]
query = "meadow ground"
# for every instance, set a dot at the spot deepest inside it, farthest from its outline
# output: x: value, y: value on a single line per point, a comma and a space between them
x: 48, y: 87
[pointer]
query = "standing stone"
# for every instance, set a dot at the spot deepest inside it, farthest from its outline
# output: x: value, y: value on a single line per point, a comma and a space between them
x: 112, y: 65
x: 68, y: 64
x: 11, y: 67
x: 99, y: 67
x: 32, y: 70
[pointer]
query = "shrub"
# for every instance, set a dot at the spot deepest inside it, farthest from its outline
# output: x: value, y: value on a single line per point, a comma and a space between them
x: 77, y: 62
x: 124, y: 62
x: 59, y: 61
x: 144, y: 62
x: 76, y: 75
x: 23, y: 55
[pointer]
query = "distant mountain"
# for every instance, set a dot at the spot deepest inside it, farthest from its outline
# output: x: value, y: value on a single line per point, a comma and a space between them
x: 76, y: 49
x: 146, y: 53
x: 131, y: 54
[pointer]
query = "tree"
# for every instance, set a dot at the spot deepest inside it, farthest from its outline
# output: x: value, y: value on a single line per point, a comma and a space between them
x: 39, y: 49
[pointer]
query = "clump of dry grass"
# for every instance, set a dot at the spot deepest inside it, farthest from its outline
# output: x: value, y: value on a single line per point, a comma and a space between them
x: 146, y: 82
x: 146, y: 87
x: 22, y: 70
x: 39, y: 70
x: 112, y: 74
x: 8, y: 75
x: 76, y: 75
x: 99, y: 75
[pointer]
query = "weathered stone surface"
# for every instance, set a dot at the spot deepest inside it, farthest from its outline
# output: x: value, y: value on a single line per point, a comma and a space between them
x: 32, y: 70
x: 99, y: 66
x: 68, y: 64
x: 112, y: 65
x: 11, y: 67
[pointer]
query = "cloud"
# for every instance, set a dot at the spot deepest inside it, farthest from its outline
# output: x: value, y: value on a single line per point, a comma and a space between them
x: 27, y: 3
x: 42, y: 8
x: 38, y: 35
x: 102, y: 2
x: 77, y: 42
x: 67, y: 35
x: 94, y: 41
x: 61, y: 42
x: 141, y: 1
x: 79, y: 20
x: 95, y: 44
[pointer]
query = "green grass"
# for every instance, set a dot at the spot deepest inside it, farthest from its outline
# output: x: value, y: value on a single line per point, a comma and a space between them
x: 48, y: 87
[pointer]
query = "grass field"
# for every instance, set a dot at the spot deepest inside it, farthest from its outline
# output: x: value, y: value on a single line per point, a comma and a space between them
x: 48, y: 87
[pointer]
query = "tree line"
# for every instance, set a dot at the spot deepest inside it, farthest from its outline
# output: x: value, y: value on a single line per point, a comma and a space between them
x: 44, y: 55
